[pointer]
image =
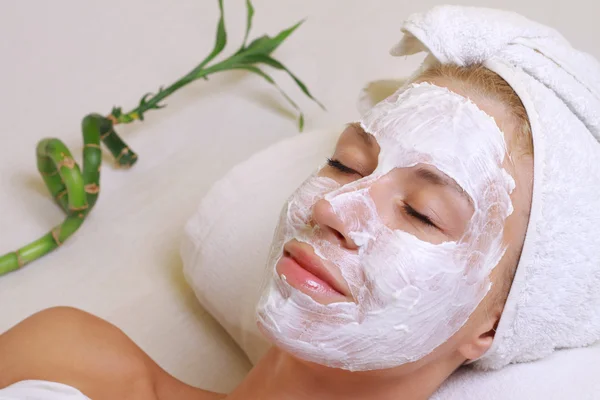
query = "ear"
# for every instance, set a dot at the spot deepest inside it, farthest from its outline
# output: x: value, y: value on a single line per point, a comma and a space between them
x: 481, y: 338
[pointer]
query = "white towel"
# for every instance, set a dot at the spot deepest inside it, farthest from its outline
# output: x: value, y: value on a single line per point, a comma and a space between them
x: 40, y: 390
x: 554, y: 301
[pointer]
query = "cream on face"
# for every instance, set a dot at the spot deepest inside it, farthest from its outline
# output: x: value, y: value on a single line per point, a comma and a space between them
x: 410, y: 295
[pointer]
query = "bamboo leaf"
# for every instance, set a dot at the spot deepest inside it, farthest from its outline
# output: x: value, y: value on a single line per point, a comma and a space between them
x: 221, y: 39
x: 250, y: 9
x: 256, y: 43
x: 266, y: 44
x: 116, y: 112
x: 144, y: 99
x: 268, y: 78
x: 260, y: 58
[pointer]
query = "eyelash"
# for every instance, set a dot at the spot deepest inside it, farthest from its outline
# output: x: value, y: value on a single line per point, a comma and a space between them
x: 407, y: 209
x: 341, y: 167
x: 414, y: 213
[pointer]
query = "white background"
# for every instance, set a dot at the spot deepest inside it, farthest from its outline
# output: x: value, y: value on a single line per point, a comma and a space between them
x: 62, y: 59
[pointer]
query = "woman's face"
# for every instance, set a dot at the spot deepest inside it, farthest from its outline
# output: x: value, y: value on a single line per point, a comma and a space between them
x: 383, y: 255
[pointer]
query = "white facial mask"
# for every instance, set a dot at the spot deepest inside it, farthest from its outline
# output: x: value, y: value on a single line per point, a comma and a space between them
x: 410, y: 295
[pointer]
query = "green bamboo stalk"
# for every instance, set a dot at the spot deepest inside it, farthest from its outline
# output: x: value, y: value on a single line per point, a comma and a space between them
x: 77, y: 191
x: 94, y: 127
x: 123, y: 155
x: 74, y: 191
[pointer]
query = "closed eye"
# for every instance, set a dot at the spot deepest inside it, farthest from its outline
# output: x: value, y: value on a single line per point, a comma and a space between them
x: 415, y: 214
x: 341, y: 167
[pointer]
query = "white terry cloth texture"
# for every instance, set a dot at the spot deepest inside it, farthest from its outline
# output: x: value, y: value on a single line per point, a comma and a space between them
x: 227, y: 242
x: 554, y: 301
x: 40, y: 390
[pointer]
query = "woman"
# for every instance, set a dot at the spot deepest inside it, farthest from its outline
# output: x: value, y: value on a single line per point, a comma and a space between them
x: 68, y: 346
x: 391, y: 266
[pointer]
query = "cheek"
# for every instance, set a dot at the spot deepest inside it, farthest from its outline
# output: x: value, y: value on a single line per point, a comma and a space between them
x: 399, y: 275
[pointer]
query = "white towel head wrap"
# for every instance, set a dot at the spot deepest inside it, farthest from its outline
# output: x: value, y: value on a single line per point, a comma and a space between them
x: 554, y: 301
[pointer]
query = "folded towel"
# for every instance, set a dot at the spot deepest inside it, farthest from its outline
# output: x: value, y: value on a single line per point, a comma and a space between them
x: 554, y: 301
x: 568, y: 374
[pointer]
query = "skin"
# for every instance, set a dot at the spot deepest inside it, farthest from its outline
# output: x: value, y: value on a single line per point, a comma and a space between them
x: 70, y: 346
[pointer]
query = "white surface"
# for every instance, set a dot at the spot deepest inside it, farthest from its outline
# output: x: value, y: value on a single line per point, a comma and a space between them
x: 64, y: 59
x: 40, y: 390
x: 230, y: 294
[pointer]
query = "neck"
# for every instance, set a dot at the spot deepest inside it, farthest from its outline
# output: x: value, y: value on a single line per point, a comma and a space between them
x: 281, y: 376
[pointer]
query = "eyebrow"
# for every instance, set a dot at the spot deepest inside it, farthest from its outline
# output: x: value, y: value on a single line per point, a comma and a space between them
x: 434, y: 178
x: 366, y: 137
x: 422, y: 173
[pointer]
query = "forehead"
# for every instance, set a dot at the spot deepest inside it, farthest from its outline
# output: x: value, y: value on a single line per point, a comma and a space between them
x: 489, y: 104
x: 426, y: 123
x: 422, y: 110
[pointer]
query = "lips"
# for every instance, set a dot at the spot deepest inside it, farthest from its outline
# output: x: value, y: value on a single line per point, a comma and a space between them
x: 303, y: 270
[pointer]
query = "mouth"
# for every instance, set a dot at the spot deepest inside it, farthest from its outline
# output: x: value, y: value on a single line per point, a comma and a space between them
x: 305, y: 271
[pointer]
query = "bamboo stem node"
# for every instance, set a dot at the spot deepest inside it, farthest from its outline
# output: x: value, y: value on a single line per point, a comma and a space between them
x: 20, y: 261
x: 105, y: 135
x: 66, y: 162
x: 80, y: 208
x: 56, y: 235
x: 91, y: 188
x: 48, y: 174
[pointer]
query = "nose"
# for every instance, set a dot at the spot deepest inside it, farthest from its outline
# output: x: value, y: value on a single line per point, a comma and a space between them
x: 331, y: 225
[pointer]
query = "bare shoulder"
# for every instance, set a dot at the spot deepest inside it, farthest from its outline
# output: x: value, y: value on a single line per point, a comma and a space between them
x: 73, y: 347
